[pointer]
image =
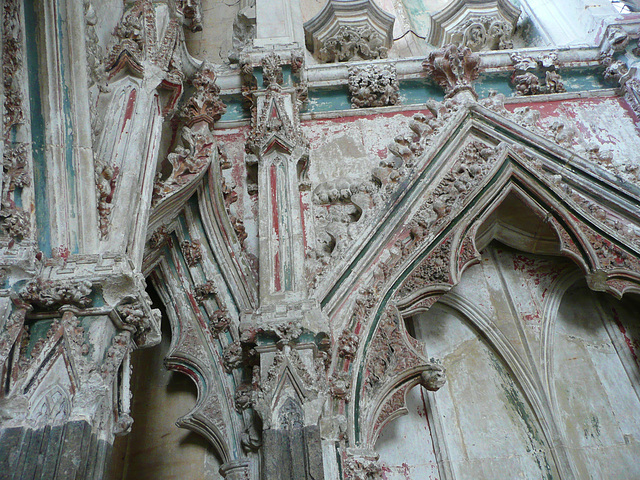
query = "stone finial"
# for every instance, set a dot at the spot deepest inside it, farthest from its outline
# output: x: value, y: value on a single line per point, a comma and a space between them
x: 454, y: 69
x: 205, y: 104
x: 272, y: 70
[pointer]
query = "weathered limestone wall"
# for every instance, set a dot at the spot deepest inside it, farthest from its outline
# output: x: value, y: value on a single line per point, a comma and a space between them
x: 580, y: 349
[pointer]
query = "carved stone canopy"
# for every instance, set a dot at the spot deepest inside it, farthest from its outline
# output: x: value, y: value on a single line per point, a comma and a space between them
x: 477, y: 24
x: 349, y: 29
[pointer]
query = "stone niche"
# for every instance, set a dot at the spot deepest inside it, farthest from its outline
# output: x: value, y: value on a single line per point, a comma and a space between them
x: 477, y: 24
x: 346, y: 30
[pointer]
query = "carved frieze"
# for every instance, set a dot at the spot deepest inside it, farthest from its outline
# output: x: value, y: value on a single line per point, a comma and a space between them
x: 373, y: 86
x: 51, y: 294
x: 12, y: 60
x: 14, y: 220
x: 353, y: 42
x: 453, y: 68
x: 349, y: 30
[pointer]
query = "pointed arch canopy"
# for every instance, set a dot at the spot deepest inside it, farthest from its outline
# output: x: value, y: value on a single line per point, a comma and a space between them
x: 428, y: 235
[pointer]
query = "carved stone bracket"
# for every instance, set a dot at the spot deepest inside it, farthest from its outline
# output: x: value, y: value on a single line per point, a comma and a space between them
x: 478, y: 25
x: 349, y: 30
x: 373, y: 86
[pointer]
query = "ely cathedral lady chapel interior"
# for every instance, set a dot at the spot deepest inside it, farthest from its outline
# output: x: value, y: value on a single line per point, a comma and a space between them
x: 320, y: 239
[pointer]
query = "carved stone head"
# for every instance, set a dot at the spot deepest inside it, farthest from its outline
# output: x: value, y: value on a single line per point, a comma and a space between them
x: 434, y: 377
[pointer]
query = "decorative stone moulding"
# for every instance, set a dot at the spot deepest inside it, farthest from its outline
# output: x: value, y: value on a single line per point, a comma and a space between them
x: 347, y: 30
x: 477, y: 24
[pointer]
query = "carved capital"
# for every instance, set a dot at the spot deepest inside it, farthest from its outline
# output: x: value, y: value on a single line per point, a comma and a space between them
x: 360, y: 464
x: 236, y: 470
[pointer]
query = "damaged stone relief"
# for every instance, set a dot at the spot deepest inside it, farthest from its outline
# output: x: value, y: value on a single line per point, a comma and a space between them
x: 383, y: 239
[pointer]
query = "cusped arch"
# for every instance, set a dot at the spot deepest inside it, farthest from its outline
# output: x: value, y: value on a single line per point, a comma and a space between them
x: 537, y: 174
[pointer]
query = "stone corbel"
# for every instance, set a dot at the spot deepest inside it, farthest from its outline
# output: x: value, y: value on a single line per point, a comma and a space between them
x: 349, y: 30
x: 373, y: 86
x: 478, y: 25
